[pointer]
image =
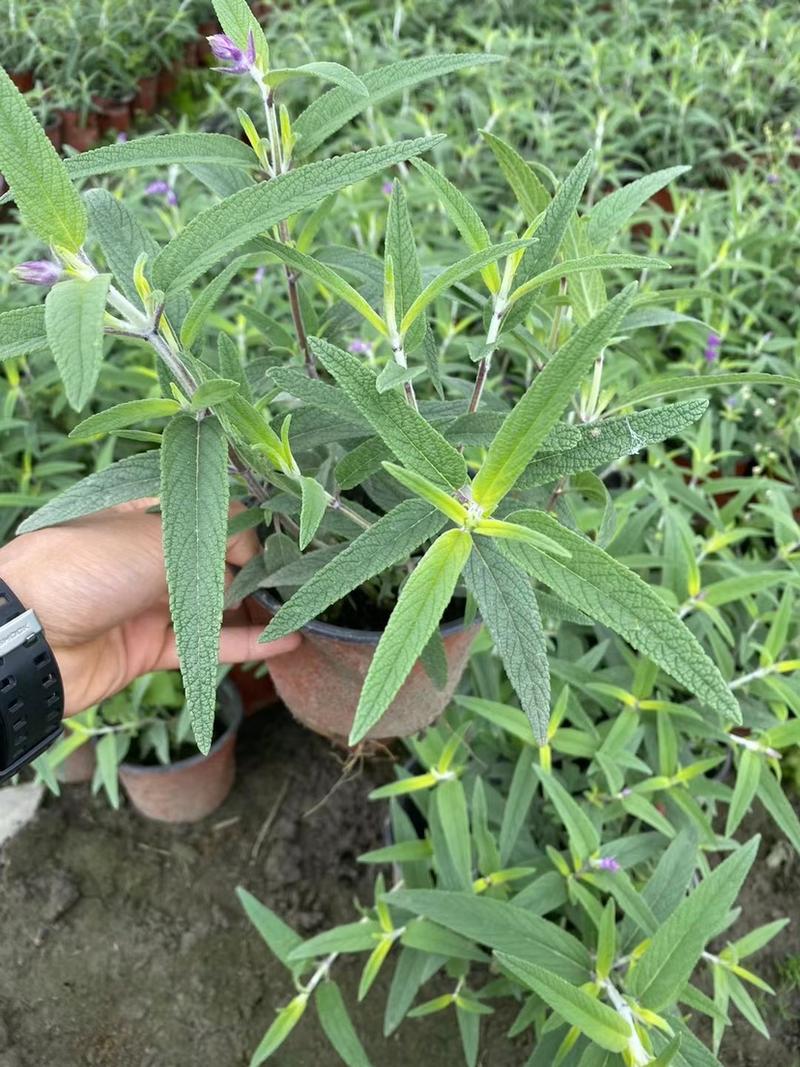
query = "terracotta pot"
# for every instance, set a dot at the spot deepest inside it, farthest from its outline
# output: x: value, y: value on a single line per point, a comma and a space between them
x: 77, y: 134
x: 146, y: 98
x: 168, y: 81
x: 320, y: 681
x: 53, y: 131
x: 23, y: 79
x: 78, y: 766
x: 189, y: 789
x: 257, y: 692
x: 261, y: 9
x: 114, y: 115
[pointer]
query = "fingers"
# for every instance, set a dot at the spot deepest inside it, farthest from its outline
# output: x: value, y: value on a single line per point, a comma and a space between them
x: 243, y: 546
x: 238, y: 644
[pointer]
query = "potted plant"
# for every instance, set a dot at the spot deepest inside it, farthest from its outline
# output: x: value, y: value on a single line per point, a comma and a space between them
x: 19, y: 51
x: 80, y: 126
x: 384, y: 477
x: 142, y: 738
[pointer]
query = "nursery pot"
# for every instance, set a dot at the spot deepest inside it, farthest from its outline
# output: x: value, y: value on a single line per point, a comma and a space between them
x: 167, y: 81
x: 23, y: 79
x: 146, y: 98
x: 320, y: 681
x: 53, y: 132
x: 193, y: 788
x: 113, y: 114
x: 77, y: 134
x: 78, y: 766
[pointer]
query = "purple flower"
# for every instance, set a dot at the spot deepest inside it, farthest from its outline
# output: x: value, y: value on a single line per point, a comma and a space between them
x: 387, y: 188
x: 773, y: 179
x: 713, y: 344
x: 607, y: 863
x: 122, y: 137
x: 224, y: 48
x: 359, y: 347
x: 38, y: 272
x: 260, y: 275
x: 162, y: 188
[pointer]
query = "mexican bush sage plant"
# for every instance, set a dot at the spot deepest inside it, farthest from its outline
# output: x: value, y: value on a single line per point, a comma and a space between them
x: 462, y: 473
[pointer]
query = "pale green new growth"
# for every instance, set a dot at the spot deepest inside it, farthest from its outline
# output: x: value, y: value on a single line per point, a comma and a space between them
x: 73, y: 313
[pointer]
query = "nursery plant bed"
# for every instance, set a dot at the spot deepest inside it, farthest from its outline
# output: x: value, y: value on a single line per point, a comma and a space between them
x: 124, y: 942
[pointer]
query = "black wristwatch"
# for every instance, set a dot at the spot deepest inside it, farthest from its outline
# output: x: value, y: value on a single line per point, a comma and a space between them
x: 31, y: 693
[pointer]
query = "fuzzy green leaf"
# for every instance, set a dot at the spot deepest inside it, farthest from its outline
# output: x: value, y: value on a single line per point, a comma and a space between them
x: 162, y: 151
x: 675, y: 384
x: 419, y: 608
x: 194, y: 508
x: 324, y: 71
x: 280, y: 938
x: 583, y: 837
x: 531, y: 195
x: 401, y: 247
x: 412, y: 439
x: 604, y: 589
x: 73, y: 313
x: 541, y: 407
x: 391, y: 539
x: 557, y: 216
x: 126, y: 414
x: 22, y: 331
x: 610, y: 214
x: 338, y: 1028
x: 447, y: 504
x: 748, y: 775
x: 47, y: 200
x: 314, y: 504
x: 225, y: 226
x: 507, y: 604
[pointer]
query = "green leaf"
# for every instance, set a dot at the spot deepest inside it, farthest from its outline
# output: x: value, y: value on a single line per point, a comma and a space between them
x: 748, y: 775
x: 532, y: 196
x: 464, y: 217
x: 606, y: 941
x: 318, y: 394
x: 225, y: 226
x: 671, y: 386
x: 541, y: 407
x: 419, y: 608
x: 194, y: 509
x: 556, y: 218
x: 162, y: 151
x: 280, y: 938
x: 597, y: 1021
x: 668, y: 962
x: 107, y: 767
x: 350, y: 937
x: 120, y: 235
x: 47, y: 200
x: 212, y: 392
x: 238, y: 22
x: 401, y: 248
x: 451, y: 808
x: 507, y: 604
x: 122, y: 415
x: 393, y: 538
x: 329, y: 72
x: 338, y: 1028
x: 437, y: 940
x: 205, y: 303
x: 511, y: 531
x: 284, y: 1023
x: 604, y: 441
x: 775, y: 801
x: 457, y: 272
x: 412, y: 439
x: 583, y: 837
x: 447, y: 504
x: 22, y: 331
x: 73, y: 313
x: 500, y: 926
x: 314, y: 504
x: 598, y: 585
x: 610, y: 214
x: 333, y: 110
x: 132, y: 478
x: 602, y: 261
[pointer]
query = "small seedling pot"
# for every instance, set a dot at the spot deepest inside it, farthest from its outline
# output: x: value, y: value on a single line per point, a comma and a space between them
x: 320, y: 681
x: 79, y: 135
x: 113, y: 114
x: 146, y: 98
x: 190, y: 789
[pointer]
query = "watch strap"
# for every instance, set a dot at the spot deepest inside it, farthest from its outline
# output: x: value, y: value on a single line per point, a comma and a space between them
x: 31, y: 692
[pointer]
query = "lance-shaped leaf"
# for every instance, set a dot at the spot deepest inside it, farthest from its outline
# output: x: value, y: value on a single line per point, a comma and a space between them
x: 610, y: 214
x: 314, y: 503
x: 318, y: 394
x: 338, y: 1028
x: 205, y: 303
x: 603, y: 588
x: 120, y: 235
x: 667, y: 964
x: 597, y: 1021
x: 748, y: 776
x: 507, y: 604
x: 391, y: 539
x: 283, y: 1024
x: 501, y: 926
x: 608, y: 439
x: 456, y: 273
x: 73, y: 315
x: 194, y: 509
x: 583, y: 836
x: 531, y: 195
x: 22, y: 331
x: 674, y: 385
x: 523, y: 432
x: 464, y: 216
x: 47, y: 200
x: 162, y: 151
x: 333, y: 110
x: 556, y: 218
x: 447, y: 504
x: 126, y: 414
x: 412, y: 439
x: 280, y: 938
x: 133, y: 478
x: 419, y: 608
x: 602, y: 261
x: 401, y: 248
x: 326, y: 276
x: 324, y: 71
x: 225, y: 226
x: 238, y: 22
x: 511, y: 531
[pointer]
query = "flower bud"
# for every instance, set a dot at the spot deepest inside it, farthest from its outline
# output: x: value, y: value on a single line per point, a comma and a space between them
x: 38, y: 272
x: 226, y: 50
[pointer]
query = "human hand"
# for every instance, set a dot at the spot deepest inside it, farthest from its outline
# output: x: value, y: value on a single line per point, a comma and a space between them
x: 99, y: 589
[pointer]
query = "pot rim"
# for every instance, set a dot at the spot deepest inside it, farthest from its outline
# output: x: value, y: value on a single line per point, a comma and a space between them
x: 345, y: 633
x: 230, y: 709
